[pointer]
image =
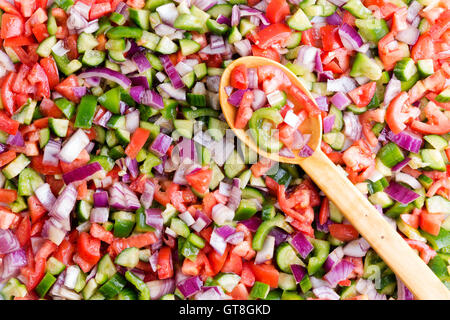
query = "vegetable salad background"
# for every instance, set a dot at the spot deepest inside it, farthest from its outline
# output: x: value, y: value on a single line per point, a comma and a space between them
x: 120, y: 179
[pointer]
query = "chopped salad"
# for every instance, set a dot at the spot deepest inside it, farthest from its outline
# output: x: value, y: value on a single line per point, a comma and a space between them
x: 120, y: 178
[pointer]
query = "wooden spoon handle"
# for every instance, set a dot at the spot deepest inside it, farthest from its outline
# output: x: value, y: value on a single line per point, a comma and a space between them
x: 389, y: 245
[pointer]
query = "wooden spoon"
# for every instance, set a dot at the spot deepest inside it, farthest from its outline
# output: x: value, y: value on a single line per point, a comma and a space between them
x: 389, y: 245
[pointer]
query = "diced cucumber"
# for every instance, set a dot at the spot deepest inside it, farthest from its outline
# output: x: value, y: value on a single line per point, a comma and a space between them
x: 285, y: 256
x: 434, y: 159
x: 299, y: 21
x: 105, y: 270
x: 45, y: 47
x: 129, y: 257
x: 58, y: 126
x: 14, y: 168
x: 425, y: 67
x: 86, y: 41
x: 286, y: 281
x: 234, y: 165
x: 405, y: 69
x: 166, y: 46
x: 180, y: 227
x: 228, y: 281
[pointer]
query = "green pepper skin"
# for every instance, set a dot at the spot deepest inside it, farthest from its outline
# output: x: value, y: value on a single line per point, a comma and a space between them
x: 144, y: 291
x: 262, y: 137
x: 263, y: 231
x: 321, y: 251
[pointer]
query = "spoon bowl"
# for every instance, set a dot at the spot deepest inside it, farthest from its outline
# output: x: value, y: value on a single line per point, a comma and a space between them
x: 311, y: 126
x: 332, y: 180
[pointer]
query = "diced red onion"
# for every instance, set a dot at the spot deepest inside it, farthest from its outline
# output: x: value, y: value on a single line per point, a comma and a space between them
x: 301, y: 244
x: 171, y: 72
x: 325, y: 76
x: 343, y: 84
x: 223, y: 20
x: 202, y: 222
x: 122, y: 197
x: 408, y: 179
x: 335, y: 19
x: 217, y: 242
x: 64, y: 205
x: 341, y: 271
x: 393, y: 88
x: 161, y: 144
x: 286, y: 152
x: 307, y: 57
x: 45, y: 196
x: 353, y: 128
x: 154, y: 218
x: 159, y: 288
x: 328, y: 123
x: 356, y: 248
x: 12, y: 262
x: 400, y: 193
x: 99, y: 215
x: 252, y: 224
x: 326, y: 293
x: 298, y: 272
x: 406, y: 140
x: 108, y: 74
x: 147, y: 195
x: 168, y: 13
x: 322, y: 103
x: 81, y: 173
x: 190, y: 286
x: 305, y: 151
x: 8, y: 241
x: 235, y: 15
x: 76, y: 143
x: 53, y: 232
x: 409, y: 35
x: 399, y: 166
x: 225, y: 231
x: 350, y: 37
x: 403, y: 292
x: 266, y: 252
x: 205, y: 5
x: 413, y: 10
x: 235, y: 238
x: 16, y: 140
x: 334, y: 257
x: 243, y: 47
x: 259, y: 99
x: 222, y: 214
x: 51, y: 151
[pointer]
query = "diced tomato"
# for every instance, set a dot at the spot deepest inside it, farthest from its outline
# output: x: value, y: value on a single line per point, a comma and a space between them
x: 65, y: 252
x: 233, y: 264
x: 426, y: 252
x: 400, y: 112
x: 245, y: 110
x: 8, y: 195
x: 7, y: 94
x: 138, y: 139
x: 18, y: 41
x: 437, y: 121
x: 239, y: 292
x: 261, y: 167
x: 362, y: 95
x: 88, y: 248
x: 324, y: 212
x: 82, y: 159
x: 431, y: 222
x: 12, y: 26
x: 265, y: 273
x: 51, y: 70
x: 97, y: 231
x: 138, y: 241
x: 311, y: 37
x: 8, y: 125
x: 8, y: 7
x: 343, y: 232
x: 6, y: 157
x: 277, y: 10
x: 330, y: 38
x: 410, y: 219
x: 217, y: 261
x: 200, y: 179
x: 209, y: 201
x: 45, y: 169
x: 23, y: 231
x: 165, y: 266
x: 37, y: 210
x: 99, y: 9
x: 50, y: 109
x: 274, y: 34
x: 71, y: 45
x: 66, y: 88
x: 268, y: 53
x: 238, y: 77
